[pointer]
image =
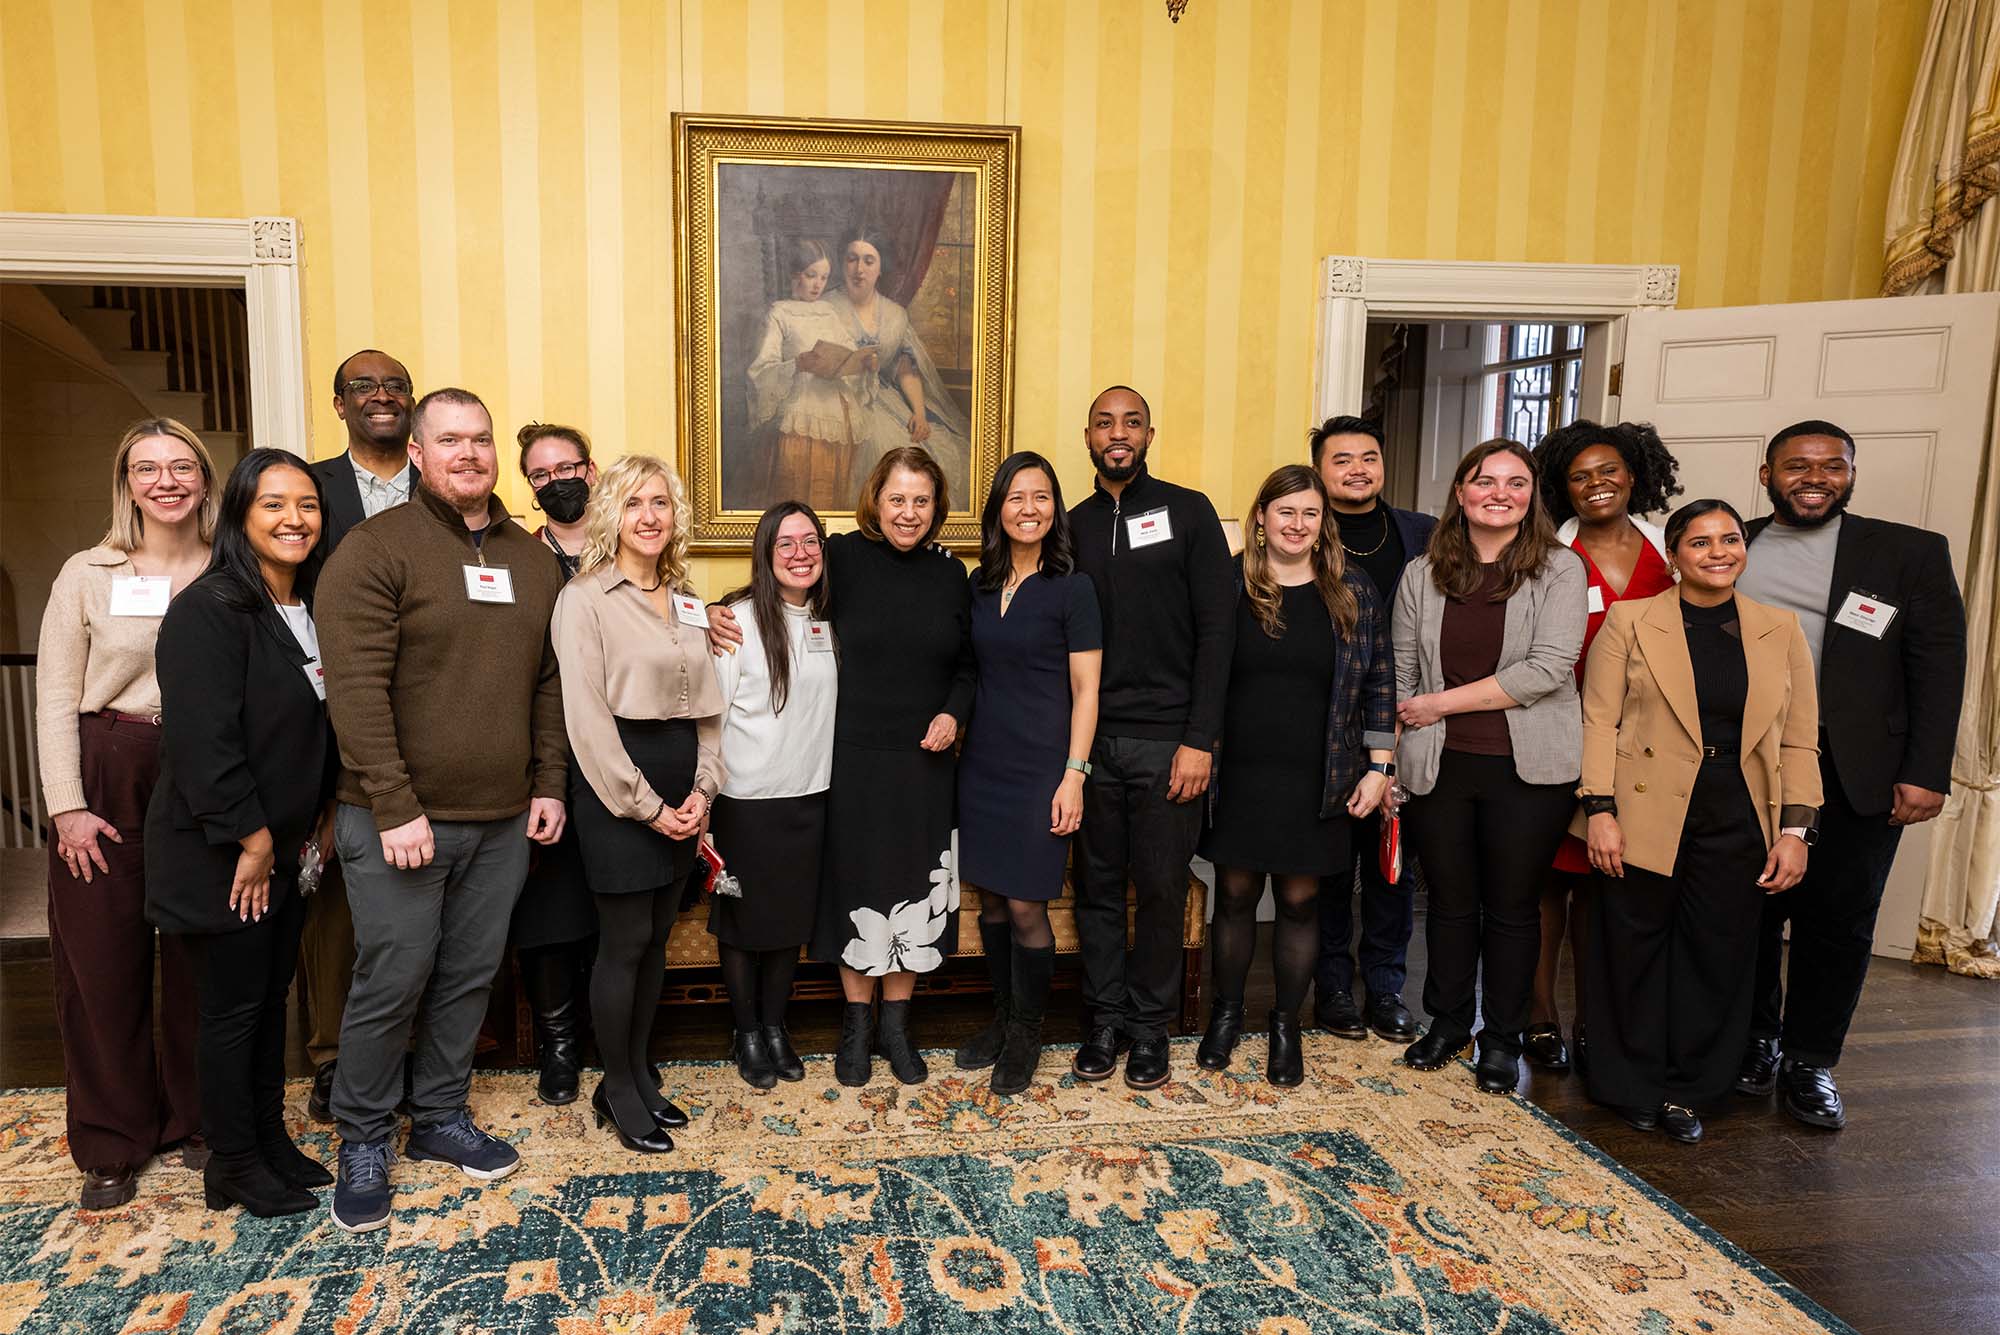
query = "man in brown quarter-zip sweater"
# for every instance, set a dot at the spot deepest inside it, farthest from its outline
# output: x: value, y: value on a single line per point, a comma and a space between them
x: 442, y: 687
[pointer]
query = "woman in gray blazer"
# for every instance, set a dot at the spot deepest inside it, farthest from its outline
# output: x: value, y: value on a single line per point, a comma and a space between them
x: 1487, y: 627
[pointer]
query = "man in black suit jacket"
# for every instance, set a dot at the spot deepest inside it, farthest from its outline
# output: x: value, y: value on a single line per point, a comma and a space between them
x: 1378, y: 540
x: 1881, y: 611
x: 372, y: 394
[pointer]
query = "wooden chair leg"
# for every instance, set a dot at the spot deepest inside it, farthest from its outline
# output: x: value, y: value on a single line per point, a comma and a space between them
x: 1190, y: 987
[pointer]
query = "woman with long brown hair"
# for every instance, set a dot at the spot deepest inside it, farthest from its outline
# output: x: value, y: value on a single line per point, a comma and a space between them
x: 1487, y: 627
x: 1311, y: 685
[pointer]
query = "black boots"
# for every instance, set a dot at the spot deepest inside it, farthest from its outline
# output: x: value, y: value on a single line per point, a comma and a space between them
x: 784, y: 1057
x: 983, y: 1049
x: 1286, y: 1065
x: 753, y: 1059
x: 1225, y: 1027
x: 549, y: 977
x: 892, y: 1040
x: 851, y: 1060
x: 1021, y: 1052
x: 293, y: 1165
x: 245, y: 1179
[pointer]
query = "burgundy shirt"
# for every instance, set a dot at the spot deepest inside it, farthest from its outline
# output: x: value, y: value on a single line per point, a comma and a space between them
x: 1469, y: 651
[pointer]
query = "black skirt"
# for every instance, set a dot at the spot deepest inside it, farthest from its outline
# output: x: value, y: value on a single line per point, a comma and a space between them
x: 772, y: 847
x: 888, y: 881
x: 623, y: 857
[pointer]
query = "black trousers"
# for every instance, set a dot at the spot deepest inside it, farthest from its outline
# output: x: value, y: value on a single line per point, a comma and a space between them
x: 1133, y: 834
x: 1832, y: 911
x: 1486, y: 839
x: 1388, y: 915
x: 1669, y: 966
x: 244, y: 977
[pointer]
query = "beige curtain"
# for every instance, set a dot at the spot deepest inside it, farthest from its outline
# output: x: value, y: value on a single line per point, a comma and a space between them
x: 1944, y: 236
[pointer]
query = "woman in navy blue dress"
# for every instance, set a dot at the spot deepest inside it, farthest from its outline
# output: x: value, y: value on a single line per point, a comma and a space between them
x: 1038, y: 642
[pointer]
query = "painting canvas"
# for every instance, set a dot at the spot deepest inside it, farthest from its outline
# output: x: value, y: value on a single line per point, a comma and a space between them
x: 846, y: 289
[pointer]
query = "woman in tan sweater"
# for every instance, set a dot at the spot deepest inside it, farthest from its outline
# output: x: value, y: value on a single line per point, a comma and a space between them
x: 97, y: 711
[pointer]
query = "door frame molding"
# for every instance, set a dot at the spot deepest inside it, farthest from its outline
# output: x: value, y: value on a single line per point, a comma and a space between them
x: 1355, y: 289
x: 261, y: 255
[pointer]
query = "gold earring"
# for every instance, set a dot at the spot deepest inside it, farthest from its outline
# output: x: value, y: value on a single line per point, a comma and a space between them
x: 1260, y: 535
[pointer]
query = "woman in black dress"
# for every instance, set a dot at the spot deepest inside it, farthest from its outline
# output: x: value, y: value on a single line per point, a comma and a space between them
x: 889, y: 883
x: 1038, y: 643
x: 1310, y: 686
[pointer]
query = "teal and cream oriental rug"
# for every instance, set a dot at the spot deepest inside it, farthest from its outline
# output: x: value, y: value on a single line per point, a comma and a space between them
x: 1372, y: 1199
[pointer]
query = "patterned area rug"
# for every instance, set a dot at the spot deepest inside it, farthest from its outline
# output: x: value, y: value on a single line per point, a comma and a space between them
x: 1372, y: 1199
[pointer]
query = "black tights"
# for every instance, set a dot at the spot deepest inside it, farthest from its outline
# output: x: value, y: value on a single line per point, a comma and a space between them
x: 759, y: 983
x: 625, y: 993
x: 1294, y: 937
x: 1030, y: 918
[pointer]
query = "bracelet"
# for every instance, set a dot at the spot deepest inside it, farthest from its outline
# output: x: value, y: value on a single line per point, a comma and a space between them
x: 1080, y: 766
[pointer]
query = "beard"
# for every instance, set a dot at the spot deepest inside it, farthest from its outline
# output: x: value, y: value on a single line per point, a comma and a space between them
x: 1121, y: 474
x: 1790, y: 518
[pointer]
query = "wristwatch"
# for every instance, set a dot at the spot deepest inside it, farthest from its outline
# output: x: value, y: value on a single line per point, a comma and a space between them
x: 1387, y: 767
x: 1805, y: 834
x: 1080, y: 766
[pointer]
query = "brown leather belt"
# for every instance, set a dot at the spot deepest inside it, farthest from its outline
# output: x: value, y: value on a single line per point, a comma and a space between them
x: 150, y: 720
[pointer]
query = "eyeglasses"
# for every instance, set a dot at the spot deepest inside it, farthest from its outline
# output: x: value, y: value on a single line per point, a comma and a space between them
x: 793, y: 546
x: 362, y: 388
x: 184, y: 470
x: 541, y: 477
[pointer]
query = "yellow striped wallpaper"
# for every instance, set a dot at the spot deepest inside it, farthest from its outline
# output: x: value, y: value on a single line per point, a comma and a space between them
x: 483, y: 186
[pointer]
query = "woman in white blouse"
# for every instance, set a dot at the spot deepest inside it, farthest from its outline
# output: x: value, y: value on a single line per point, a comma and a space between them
x: 777, y: 736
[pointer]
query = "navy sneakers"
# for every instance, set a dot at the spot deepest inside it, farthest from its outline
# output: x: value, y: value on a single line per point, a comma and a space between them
x: 361, y: 1196
x: 459, y: 1142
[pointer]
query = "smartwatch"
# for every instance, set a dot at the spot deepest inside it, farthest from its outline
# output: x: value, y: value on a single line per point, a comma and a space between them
x: 1387, y: 767
x: 1080, y: 766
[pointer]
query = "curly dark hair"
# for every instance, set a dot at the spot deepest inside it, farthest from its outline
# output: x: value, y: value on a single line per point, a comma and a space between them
x: 1655, y: 471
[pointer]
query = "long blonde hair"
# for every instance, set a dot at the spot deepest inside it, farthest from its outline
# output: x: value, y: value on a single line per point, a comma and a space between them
x: 128, y: 524
x: 1328, y: 566
x: 601, y: 519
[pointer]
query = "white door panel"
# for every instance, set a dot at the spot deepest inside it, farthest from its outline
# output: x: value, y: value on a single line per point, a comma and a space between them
x: 1911, y: 378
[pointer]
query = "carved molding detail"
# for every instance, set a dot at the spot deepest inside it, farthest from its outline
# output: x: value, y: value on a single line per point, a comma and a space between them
x: 1662, y: 285
x: 1346, y: 276
x: 272, y: 241
x: 1176, y: 8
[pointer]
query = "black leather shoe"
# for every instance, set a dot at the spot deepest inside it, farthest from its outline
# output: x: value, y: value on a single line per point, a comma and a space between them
x: 670, y: 1118
x: 1543, y: 1045
x: 1496, y: 1071
x: 1146, y: 1064
x: 246, y: 1180
x: 558, y: 1053
x: 753, y: 1059
x: 656, y: 1141
x: 108, y: 1187
x: 1680, y: 1123
x: 1809, y: 1094
x: 1439, y: 1046
x: 852, y: 1060
x: 1391, y: 1019
x: 1286, y: 1064
x: 1758, y: 1075
x: 1225, y: 1027
x: 319, y: 1103
x: 1338, y: 1015
x: 1097, y: 1059
x: 1640, y: 1119
x: 784, y: 1057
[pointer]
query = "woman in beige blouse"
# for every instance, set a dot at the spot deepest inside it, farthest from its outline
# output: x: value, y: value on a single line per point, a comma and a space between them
x: 645, y: 724
x: 97, y: 711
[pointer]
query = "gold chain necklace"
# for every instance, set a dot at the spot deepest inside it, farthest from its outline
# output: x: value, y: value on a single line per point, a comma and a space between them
x: 1379, y: 542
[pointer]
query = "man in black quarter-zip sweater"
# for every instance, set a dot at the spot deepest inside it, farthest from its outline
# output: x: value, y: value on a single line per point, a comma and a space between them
x: 1161, y: 567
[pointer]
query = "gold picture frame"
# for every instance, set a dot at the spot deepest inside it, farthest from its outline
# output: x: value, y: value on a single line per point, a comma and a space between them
x: 931, y: 212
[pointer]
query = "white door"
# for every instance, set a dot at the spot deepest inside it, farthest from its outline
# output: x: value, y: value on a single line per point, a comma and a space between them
x: 1910, y: 377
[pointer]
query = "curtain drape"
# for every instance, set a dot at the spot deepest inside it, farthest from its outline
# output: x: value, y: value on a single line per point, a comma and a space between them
x: 1943, y: 235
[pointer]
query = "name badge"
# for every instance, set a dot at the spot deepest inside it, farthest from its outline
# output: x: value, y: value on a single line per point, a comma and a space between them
x: 1865, y: 613
x: 687, y: 611
x: 489, y: 584
x: 141, y: 595
x: 1596, y: 600
x: 819, y: 637
x: 316, y: 677
x: 1151, y: 527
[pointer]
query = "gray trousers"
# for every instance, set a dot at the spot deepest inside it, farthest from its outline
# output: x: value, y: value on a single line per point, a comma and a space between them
x: 427, y: 944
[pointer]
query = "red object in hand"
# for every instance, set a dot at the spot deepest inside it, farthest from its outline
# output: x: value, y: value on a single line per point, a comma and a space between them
x: 1389, y: 850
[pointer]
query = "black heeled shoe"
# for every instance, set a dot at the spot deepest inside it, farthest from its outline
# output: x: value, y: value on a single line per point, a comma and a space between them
x: 293, y: 1165
x: 892, y: 1040
x: 852, y: 1062
x: 656, y: 1141
x: 1225, y: 1030
x: 246, y: 1180
x: 670, y: 1118
x: 1440, y: 1045
x: 753, y: 1059
x: 1496, y: 1071
x: 784, y: 1057
x: 1286, y: 1065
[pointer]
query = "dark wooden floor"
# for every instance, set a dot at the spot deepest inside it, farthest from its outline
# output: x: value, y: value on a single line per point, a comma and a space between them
x: 1892, y: 1224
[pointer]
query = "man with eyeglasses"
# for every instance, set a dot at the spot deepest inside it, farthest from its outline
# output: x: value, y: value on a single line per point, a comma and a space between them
x: 372, y: 395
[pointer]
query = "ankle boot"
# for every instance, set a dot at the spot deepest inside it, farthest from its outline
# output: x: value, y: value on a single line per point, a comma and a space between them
x: 293, y: 1165
x: 753, y: 1059
x: 1286, y: 1065
x: 851, y: 1061
x: 1225, y: 1026
x: 245, y: 1179
x: 784, y: 1057
x: 892, y: 1040
x: 984, y: 1048
x: 548, y: 976
x: 1033, y: 967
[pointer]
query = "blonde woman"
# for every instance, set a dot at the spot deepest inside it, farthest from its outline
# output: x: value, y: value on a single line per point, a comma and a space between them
x: 644, y: 714
x: 98, y: 708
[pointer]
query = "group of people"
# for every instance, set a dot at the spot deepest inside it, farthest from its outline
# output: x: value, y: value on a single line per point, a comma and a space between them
x: 355, y: 721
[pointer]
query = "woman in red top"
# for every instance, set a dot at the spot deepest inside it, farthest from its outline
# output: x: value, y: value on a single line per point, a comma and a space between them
x: 1596, y: 481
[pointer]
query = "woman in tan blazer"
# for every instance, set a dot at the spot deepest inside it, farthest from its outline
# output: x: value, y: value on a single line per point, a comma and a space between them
x: 1700, y: 794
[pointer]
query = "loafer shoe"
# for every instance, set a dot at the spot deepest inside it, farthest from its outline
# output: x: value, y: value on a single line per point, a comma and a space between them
x: 1391, y: 1019
x: 1438, y: 1047
x: 1758, y: 1075
x: 1680, y: 1123
x: 1497, y: 1071
x: 459, y: 1143
x: 362, y: 1193
x: 1146, y: 1066
x: 1640, y: 1119
x: 319, y: 1103
x: 1810, y: 1095
x: 1543, y: 1045
x: 1338, y: 1015
x: 1097, y: 1059
x: 108, y: 1186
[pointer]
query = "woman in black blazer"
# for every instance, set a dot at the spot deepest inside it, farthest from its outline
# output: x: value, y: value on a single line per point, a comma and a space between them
x: 246, y: 769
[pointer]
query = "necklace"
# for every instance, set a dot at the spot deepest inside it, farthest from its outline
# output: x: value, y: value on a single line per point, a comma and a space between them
x: 654, y: 587
x: 1379, y: 542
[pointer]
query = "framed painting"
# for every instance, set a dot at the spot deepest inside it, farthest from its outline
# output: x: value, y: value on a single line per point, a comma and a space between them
x: 845, y: 287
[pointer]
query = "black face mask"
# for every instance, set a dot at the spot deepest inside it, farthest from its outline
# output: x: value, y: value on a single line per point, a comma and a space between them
x: 563, y: 500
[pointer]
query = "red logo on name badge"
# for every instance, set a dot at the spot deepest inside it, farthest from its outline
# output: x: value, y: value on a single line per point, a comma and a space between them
x: 486, y: 579
x: 1869, y: 608
x: 1145, y: 524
